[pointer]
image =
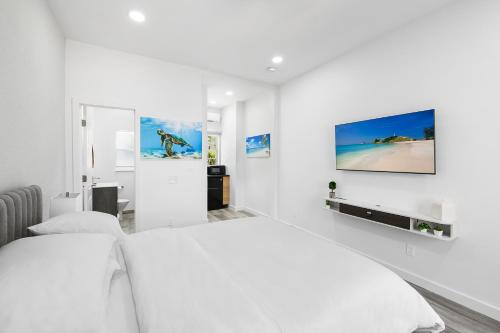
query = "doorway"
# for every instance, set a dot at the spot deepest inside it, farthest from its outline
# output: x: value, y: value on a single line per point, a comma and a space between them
x: 108, y: 162
x: 213, y: 157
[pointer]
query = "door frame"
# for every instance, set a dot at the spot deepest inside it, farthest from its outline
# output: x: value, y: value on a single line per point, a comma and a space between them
x: 218, y: 135
x: 75, y: 158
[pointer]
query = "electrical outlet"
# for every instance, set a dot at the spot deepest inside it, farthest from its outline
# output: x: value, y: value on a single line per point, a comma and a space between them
x: 410, y: 250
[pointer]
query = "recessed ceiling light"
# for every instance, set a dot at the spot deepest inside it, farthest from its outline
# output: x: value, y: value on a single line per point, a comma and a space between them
x: 229, y: 93
x: 136, y: 16
x: 212, y: 102
x: 272, y: 69
x: 277, y: 59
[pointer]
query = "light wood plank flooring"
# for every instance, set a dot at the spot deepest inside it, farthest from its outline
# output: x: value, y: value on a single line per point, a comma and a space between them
x: 227, y: 214
x: 457, y: 318
x: 127, y: 222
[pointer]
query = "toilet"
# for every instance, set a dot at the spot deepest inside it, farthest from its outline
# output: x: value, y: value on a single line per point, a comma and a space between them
x: 122, y: 203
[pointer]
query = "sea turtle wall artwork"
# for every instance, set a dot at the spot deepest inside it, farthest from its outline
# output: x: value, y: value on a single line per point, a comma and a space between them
x: 258, y: 146
x: 169, y: 139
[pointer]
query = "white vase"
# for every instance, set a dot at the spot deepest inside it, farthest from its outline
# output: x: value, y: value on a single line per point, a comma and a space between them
x: 332, y: 195
x: 438, y: 233
x: 423, y: 230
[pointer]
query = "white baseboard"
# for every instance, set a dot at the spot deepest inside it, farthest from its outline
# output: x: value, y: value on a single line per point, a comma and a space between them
x: 435, y: 287
x: 442, y: 290
x: 236, y: 208
x: 256, y: 212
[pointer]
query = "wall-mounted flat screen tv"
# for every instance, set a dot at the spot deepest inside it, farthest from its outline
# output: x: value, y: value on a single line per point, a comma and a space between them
x: 402, y: 143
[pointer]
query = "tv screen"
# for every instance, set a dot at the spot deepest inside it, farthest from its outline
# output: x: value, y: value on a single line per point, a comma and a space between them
x: 402, y: 143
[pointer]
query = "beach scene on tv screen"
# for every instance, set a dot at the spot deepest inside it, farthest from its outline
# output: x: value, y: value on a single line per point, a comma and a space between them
x: 402, y: 143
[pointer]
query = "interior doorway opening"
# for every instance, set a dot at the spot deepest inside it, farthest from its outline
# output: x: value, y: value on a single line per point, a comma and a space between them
x: 241, y: 167
x: 108, y: 162
x: 213, y: 157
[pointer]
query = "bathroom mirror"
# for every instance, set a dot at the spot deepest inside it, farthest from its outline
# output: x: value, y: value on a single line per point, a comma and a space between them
x: 125, y: 159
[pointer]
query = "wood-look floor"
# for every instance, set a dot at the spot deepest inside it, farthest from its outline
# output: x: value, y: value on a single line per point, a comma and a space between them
x: 227, y: 214
x: 457, y: 318
x: 127, y: 222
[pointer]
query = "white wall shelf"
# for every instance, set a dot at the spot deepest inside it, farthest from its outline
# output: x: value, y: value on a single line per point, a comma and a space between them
x: 390, y: 217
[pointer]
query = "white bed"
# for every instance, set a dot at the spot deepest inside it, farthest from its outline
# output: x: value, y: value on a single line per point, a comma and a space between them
x: 120, y: 315
x: 259, y: 275
x: 246, y: 275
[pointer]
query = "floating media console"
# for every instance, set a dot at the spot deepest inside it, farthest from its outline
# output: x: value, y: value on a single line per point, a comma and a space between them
x: 391, y: 217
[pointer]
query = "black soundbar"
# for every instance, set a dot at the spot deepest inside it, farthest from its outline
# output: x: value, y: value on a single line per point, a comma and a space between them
x: 398, y: 221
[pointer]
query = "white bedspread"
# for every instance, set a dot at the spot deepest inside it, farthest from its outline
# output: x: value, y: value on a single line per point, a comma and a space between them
x: 120, y: 314
x: 56, y: 283
x: 258, y: 275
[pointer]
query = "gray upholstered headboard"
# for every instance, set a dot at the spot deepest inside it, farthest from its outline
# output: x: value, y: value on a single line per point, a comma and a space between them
x: 19, y: 209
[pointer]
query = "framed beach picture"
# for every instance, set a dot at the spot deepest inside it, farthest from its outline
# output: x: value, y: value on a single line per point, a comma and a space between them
x: 258, y: 146
x: 170, y: 139
x: 402, y: 143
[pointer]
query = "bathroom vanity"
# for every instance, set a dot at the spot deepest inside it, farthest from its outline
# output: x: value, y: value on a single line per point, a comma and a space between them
x: 105, y: 198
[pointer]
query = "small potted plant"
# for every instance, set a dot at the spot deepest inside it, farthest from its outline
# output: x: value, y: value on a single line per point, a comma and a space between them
x: 332, y: 186
x: 423, y: 227
x: 438, y: 231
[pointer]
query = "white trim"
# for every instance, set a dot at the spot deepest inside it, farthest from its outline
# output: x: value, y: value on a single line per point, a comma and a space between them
x: 74, y: 160
x: 236, y: 208
x: 435, y: 287
x: 275, y: 152
x: 256, y: 212
x: 218, y: 136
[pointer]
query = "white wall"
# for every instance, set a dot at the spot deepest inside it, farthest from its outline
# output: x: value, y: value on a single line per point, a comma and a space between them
x: 214, y: 127
x: 448, y: 61
x: 259, y: 185
x: 31, y: 98
x: 232, y: 152
x: 102, y: 125
x: 168, y: 192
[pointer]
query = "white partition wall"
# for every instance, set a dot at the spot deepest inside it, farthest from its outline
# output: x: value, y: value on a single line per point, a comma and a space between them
x: 447, y: 61
x: 169, y: 192
x: 259, y: 185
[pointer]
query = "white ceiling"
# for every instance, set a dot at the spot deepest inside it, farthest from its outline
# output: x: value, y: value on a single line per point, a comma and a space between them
x: 238, y: 37
x: 219, y: 84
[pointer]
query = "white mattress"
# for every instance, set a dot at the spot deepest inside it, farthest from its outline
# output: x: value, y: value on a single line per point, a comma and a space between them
x: 259, y: 275
x: 120, y: 317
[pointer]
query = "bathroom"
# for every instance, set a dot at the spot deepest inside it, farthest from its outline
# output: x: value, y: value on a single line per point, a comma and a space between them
x: 109, y: 162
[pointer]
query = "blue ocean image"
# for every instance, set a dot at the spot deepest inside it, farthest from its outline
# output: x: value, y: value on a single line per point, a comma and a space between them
x: 258, y: 146
x: 168, y: 139
x: 402, y: 143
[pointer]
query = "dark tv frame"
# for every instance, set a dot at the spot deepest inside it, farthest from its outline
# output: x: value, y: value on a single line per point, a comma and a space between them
x: 384, y: 171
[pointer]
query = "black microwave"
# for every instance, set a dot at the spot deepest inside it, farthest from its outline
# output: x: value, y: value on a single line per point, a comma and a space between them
x: 216, y: 170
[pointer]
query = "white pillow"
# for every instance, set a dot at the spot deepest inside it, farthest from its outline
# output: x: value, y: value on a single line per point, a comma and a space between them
x: 81, y: 222
x: 56, y: 283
